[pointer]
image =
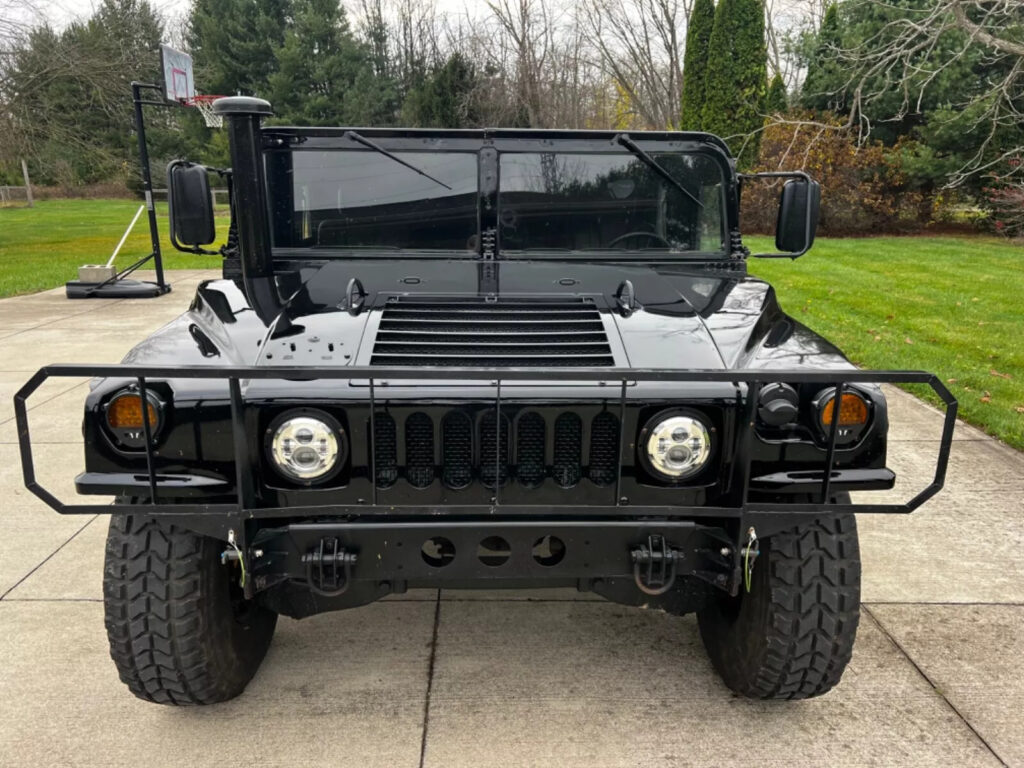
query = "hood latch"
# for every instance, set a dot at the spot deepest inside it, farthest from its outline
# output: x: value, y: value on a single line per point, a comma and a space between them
x: 625, y: 298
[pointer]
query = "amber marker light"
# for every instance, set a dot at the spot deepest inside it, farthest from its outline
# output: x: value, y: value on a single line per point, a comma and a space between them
x: 852, y: 410
x: 125, y: 412
x: 124, y: 418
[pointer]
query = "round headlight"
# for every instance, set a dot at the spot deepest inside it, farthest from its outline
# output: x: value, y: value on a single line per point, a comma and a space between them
x: 679, y: 446
x: 306, y: 448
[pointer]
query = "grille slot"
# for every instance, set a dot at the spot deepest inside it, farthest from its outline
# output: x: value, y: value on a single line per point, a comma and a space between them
x: 568, y: 440
x: 386, y: 447
x: 419, y: 450
x: 473, y: 331
x: 493, y: 441
x: 457, y: 449
x: 604, y: 448
x: 530, y: 449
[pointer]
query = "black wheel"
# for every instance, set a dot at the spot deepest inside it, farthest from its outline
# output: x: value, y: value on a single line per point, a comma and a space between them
x: 791, y: 636
x: 180, y: 630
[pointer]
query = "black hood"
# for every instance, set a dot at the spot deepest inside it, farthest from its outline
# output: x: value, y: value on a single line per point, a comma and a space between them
x: 681, y: 317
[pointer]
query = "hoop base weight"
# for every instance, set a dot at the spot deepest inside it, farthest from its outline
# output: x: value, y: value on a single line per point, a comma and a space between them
x: 118, y: 289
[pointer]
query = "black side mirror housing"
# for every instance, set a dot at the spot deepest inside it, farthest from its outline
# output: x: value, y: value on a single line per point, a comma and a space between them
x: 190, y: 206
x: 799, y: 207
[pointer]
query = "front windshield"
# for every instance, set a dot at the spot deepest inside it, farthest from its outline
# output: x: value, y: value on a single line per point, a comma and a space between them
x: 580, y: 202
x: 362, y: 199
x: 607, y: 202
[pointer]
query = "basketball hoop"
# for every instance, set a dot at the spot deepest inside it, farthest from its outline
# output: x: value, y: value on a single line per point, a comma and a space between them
x: 204, y: 103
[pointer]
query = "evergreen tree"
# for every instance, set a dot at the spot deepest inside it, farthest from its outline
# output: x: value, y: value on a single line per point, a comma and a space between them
x: 69, y: 94
x: 823, y: 86
x: 445, y: 98
x: 737, y: 74
x: 325, y: 76
x: 695, y: 63
x: 232, y: 43
x: 776, y: 102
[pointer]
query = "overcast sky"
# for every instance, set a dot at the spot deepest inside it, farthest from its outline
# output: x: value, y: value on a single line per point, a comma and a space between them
x: 60, y: 12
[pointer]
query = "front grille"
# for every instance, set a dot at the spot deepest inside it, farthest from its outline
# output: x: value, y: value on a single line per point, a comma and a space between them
x: 419, y: 450
x: 530, y: 449
x: 493, y: 449
x: 568, y: 449
x: 604, y: 449
x: 475, y: 446
x: 386, y: 464
x: 457, y: 449
x: 472, y: 331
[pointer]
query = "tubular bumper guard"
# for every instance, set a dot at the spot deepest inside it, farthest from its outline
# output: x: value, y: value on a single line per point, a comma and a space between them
x: 219, y: 518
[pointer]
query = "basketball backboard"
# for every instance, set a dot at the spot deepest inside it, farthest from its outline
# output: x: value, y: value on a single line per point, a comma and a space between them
x: 179, y: 84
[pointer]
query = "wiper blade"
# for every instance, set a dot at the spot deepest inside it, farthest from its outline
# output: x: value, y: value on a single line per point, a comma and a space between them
x: 378, y: 148
x: 624, y: 140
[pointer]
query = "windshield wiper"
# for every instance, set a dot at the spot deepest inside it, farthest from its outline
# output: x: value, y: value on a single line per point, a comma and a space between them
x: 624, y: 140
x: 378, y: 148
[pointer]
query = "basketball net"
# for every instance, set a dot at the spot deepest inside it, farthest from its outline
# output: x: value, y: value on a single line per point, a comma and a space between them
x: 204, y: 103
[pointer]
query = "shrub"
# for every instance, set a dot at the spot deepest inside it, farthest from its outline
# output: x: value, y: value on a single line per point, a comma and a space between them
x: 1004, y: 198
x: 863, y: 188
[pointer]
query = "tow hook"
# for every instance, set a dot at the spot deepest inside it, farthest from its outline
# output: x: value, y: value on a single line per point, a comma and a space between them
x: 329, y: 568
x: 654, y: 565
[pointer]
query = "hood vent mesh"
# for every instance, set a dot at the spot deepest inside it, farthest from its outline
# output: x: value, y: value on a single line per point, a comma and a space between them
x: 471, y: 331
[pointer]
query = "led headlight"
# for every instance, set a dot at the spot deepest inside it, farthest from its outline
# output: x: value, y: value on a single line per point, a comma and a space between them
x: 678, y: 446
x: 306, y: 446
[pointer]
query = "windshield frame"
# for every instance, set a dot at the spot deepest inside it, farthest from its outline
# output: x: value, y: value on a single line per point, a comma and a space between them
x: 277, y: 139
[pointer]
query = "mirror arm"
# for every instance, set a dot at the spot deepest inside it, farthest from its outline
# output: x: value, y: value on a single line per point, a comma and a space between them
x: 809, y: 220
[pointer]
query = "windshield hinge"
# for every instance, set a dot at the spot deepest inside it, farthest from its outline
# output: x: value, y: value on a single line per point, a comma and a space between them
x: 488, y: 244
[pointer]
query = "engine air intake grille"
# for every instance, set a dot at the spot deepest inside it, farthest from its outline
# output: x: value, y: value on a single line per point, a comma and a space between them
x: 604, y: 448
x: 472, y: 331
x: 386, y: 465
x: 525, y: 447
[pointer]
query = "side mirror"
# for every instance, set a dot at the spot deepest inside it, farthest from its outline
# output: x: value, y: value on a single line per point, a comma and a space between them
x: 799, y: 206
x: 190, y: 206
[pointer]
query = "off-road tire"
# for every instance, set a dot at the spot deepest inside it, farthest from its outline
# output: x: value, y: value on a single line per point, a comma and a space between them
x: 179, y: 632
x: 791, y: 636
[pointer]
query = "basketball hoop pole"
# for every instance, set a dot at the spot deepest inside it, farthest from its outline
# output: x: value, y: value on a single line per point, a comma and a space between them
x: 147, y: 179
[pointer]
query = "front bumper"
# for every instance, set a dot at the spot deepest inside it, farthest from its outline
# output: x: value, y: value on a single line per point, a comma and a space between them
x: 241, y: 515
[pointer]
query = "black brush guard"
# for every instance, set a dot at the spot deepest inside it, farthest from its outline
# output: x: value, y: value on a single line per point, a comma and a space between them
x: 229, y: 520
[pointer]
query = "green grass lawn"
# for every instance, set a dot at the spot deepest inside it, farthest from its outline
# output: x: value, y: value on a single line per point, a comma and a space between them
x: 43, y: 247
x: 951, y: 305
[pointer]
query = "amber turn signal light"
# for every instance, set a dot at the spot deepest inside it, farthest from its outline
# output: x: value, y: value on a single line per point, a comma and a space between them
x: 125, y: 412
x: 852, y: 410
x: 124, y: 419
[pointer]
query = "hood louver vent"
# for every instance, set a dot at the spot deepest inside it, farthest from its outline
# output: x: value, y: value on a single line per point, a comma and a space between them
x: 531, y: 333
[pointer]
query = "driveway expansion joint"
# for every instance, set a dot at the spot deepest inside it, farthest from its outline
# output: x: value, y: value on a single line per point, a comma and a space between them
x: 938, y: 691
x: 46, y: 559
x: 430, y: 678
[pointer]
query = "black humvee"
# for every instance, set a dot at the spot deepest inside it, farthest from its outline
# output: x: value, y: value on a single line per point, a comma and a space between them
x: 480, y: 358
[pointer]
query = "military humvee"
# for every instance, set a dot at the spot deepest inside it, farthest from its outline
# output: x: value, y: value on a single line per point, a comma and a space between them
x: 481, y: 358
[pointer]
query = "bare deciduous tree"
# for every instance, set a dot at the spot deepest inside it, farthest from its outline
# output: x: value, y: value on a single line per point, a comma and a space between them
x: 900, y: 55
x: 640, y: 44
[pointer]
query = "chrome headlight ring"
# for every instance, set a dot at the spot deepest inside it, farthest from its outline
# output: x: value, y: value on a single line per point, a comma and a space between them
x: 306, y: 445
x: 676, y: 445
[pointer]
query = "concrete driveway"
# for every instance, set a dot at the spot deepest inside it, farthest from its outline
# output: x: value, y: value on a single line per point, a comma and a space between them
x: 475, y: 679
